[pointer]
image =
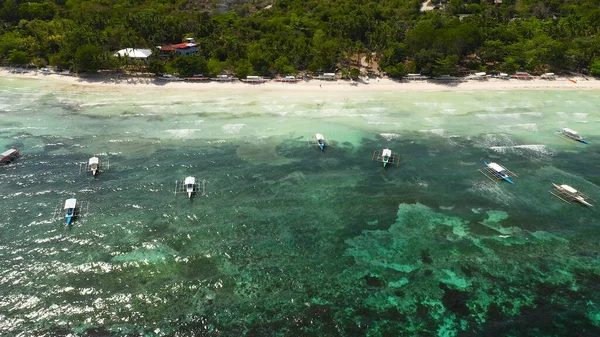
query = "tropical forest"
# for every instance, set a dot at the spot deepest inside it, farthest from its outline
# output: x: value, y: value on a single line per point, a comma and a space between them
x: 287, y: 37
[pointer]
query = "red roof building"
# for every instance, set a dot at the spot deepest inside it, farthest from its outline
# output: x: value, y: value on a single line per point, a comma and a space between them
x: 186, y: 48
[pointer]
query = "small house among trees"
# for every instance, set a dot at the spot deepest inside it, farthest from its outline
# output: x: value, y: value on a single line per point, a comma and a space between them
x: 186, y: 48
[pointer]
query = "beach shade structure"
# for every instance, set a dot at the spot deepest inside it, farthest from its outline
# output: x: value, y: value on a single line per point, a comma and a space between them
x: 569, y: 134
x: 495, y: 172
x: 190, y: 186
x: 386, y: 156
x: 568, y: 194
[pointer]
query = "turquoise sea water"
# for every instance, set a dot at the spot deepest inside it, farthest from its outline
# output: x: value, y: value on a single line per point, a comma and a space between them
x: 287, y: 240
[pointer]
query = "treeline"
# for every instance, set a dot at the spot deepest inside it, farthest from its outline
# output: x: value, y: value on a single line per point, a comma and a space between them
x: 313, y: 35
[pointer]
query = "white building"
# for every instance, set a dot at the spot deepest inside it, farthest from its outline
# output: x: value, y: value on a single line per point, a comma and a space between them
x: 134, y: 54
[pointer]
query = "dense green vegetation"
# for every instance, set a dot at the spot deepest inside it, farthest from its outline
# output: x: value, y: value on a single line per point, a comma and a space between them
x: 313, y: 35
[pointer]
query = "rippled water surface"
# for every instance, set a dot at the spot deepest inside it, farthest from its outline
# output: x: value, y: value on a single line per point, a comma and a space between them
x: 288, y: 240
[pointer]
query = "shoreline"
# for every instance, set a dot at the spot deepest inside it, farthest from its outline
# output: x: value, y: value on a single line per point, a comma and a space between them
x: 70, y: 82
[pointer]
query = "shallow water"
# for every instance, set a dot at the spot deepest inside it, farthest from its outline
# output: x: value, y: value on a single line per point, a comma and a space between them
x: 288, y: 240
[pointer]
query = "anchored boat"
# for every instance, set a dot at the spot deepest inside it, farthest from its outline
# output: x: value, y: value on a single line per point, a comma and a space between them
x: 71, y: 210
x: 70, y: 207
x: 190, y: 186
x: 571, y: 134
x: 386, y: 156
x: 496, y: 171
x: 320, y: 141
x: 94, y: 165
x: 8, y: 155
x: 568, y: 194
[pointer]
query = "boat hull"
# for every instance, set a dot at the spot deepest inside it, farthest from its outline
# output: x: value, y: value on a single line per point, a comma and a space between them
x: 8, y: 158
x: 583, y: 202
x: 69, y: 217
x: 508, y: 179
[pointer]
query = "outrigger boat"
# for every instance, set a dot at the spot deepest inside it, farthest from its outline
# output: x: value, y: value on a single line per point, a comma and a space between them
x: 496, y: 171
x: 571, y: 134
x: 320, y: 141
x: 189, y: 186
x: 70, y: 207
x: 386, y: 156
x: 190, y: 183
x: 9, y: 155
x: 567, y: 194
x: 95, y: 165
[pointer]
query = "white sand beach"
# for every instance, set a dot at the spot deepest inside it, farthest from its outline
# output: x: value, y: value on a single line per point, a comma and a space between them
x: 104, y: 83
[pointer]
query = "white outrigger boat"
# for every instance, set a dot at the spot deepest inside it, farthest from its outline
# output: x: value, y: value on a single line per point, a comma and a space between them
x: 320, y: 141
x: 189, y: 186
x: 71, y: 210
x: 95, y: 165
x: 386, y: 156
x: 571, y: 134
x: 568, y: 194
x: 496, y: 171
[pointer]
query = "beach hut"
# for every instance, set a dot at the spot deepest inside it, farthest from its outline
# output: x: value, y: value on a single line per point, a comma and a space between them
x: 328, y: 77
x: 189, y: 47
